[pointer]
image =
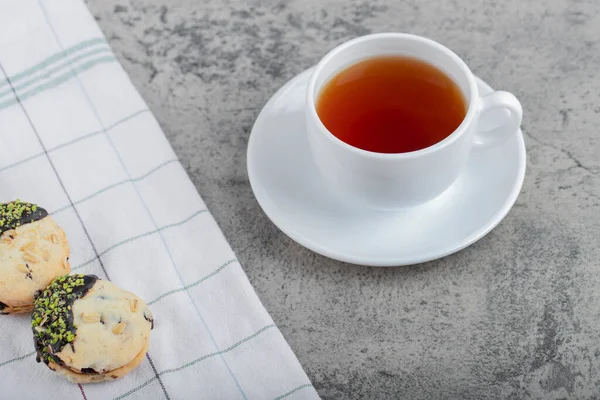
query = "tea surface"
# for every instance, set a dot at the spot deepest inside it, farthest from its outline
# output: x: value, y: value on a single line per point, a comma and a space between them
x: 391, y: 104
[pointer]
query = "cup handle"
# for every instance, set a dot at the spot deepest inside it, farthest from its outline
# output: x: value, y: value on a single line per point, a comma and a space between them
x: 508, y: 127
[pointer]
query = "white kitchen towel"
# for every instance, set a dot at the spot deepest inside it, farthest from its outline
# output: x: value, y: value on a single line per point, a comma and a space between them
x: 77, y: 139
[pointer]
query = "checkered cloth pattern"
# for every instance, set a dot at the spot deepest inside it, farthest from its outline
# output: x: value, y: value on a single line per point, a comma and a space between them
x: 76, y: 138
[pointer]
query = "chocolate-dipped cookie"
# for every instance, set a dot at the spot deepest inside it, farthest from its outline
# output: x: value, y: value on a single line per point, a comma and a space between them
x: 33, y: 251
x: 89, y: 330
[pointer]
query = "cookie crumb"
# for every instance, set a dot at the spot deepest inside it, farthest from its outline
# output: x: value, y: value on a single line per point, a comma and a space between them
x: 119, y: 328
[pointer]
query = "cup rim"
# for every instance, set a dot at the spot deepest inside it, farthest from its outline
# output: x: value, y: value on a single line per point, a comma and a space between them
x: 453, y: 137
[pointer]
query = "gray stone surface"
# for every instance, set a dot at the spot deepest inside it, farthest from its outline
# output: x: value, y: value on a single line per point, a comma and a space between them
x: 514, y: 316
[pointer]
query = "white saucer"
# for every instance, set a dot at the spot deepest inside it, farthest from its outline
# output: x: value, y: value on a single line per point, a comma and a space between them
x: 289, y: 189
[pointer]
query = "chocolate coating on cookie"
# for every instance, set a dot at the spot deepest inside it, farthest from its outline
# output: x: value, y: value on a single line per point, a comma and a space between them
x: 88, y: 371
x: 148, y: 317
x: 17, y: 213
x: 52, y: 319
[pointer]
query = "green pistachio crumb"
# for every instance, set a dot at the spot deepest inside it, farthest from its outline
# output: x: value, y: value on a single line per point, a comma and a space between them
x: 52, y: 318
x: 15, y: 213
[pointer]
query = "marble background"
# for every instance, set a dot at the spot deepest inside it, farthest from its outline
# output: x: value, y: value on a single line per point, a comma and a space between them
x: 514, y: 316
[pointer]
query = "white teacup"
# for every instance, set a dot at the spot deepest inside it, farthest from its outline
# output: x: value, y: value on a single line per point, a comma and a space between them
x: 404, y: 179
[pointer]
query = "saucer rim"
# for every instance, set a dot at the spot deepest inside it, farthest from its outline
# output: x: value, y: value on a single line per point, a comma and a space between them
x: 387, y: 261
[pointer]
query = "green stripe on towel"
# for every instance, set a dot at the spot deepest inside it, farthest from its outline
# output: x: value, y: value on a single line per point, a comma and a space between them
x: 52, y: 59
x: 52, y: 71
x: 58, y: 80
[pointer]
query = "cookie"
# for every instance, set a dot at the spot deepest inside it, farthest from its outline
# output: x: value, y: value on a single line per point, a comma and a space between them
x: 33, y: 251
x: 89, y: 330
